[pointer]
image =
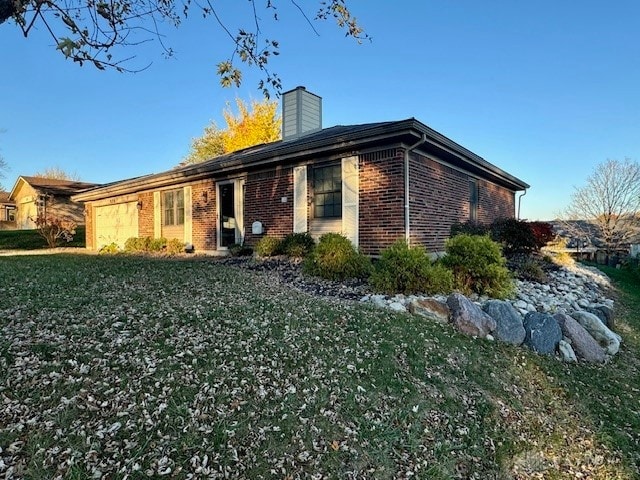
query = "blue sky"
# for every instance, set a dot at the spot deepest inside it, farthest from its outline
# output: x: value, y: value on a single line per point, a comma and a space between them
x: 545, y: 90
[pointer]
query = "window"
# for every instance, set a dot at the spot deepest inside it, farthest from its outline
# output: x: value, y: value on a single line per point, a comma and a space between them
x: 11, y: 215
x: 474, y: 196
x: 327, y: 192
x: 173, y: 207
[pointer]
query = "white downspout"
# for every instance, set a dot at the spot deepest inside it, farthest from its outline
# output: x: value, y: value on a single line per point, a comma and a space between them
x: 519, y: 200
x: 407, y: 235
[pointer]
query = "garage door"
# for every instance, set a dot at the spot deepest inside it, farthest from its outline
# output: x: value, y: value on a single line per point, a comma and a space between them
x: 116, y: 223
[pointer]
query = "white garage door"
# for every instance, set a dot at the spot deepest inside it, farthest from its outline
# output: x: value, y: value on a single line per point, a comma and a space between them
x: 116, y: 223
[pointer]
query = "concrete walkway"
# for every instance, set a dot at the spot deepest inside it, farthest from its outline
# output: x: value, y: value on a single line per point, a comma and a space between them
x: 46, y: 251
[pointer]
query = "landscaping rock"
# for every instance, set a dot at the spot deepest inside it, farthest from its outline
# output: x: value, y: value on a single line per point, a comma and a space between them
x: 430, y: 308
x: 543, y: 333
x: 469, y: 318
x: 584, y: 345
x: 603, y: 312
x: 566, y: 351
x: 598, y: 330
x: 397, y: 307
x: 509, y: 328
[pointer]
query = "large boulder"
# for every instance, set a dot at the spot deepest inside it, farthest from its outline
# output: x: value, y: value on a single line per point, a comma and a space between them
x: 583, y: 343
x: 469, y: 318
x: 603, y: 312
x: 543, y: 333
x: 430, y: 308
x: 509, y: 326
x: 598, y: 330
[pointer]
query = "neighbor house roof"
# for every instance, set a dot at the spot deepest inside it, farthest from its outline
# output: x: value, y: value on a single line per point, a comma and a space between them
x: 4, y: 197
x: 338, y: 139
x: 52, y: 185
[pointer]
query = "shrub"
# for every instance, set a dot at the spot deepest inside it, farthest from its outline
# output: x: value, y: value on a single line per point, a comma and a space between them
x: 174, y: 247
x: 239, y: 250
x: 478, y: 265
x: 54, y: 229
x: 516, y: 236
x: 135, y: 244
x: 335, y: 258
x: 542, y: 233
x: 110, y: 249
x: 297, y: 245
x: 268, y: 247
x: 404, y: 269
x: 529, y: 268
x: 157, y: 244
x: 154, y: 245
x: 470, y: 228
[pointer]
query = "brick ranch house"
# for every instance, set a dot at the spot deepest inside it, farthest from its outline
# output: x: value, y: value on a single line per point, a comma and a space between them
x: 374, y: 183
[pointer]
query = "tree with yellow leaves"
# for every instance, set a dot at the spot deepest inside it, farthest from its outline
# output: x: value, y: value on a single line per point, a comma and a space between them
x: 254, y: 124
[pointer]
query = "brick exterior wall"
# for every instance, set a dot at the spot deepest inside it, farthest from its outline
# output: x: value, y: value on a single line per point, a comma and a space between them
x: 381, y: 199
x: 263, y: 202
x: 145, y: 215
x: 204, y: 218
x: 495, y: 202
x: 439, y: 197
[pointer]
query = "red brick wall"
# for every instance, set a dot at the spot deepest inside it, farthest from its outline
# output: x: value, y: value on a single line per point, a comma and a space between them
x: 203, y: 205
x: 263, y: 202
x: 495, y: 202
x: 145, y: 215
x: 381, y: 201
x: 439, y: 197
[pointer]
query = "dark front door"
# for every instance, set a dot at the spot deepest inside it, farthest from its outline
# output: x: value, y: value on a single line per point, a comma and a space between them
x: 227, y: 215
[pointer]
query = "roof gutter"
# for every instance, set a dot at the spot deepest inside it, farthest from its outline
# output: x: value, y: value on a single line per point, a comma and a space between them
x: 407, y: 151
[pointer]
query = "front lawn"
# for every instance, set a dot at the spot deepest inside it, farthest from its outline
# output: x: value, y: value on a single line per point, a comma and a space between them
x: 31, y: 240
x: 118, y: 366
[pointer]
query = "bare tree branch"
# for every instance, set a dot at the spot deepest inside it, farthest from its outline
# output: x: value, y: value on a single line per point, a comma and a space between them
x: 98, y: 31
x: 610, y: 202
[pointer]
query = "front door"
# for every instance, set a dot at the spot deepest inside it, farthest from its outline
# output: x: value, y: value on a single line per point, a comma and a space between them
x: 228, y: 222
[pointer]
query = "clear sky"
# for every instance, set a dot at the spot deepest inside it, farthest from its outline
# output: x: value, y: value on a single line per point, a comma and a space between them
x: 545, y: 90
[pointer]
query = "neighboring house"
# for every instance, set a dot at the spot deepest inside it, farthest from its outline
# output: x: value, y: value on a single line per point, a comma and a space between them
x: 374, y: 183
x: 7, y: 211
x: 36, y: 195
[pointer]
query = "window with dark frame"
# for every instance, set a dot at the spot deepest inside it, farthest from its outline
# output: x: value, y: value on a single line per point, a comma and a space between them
x: 173, y: 207
x: 474, y: 196
x: 327, y: 191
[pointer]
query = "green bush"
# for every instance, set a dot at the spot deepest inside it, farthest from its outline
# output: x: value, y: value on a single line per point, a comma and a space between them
x: 110, y: 249
x: 174, y: 247
x: 335, y: 258
x: 137, y: 244
x: 529, y: 269
x: 470, y: 228
x: 516, y: 236
x: 157, y: 244
x: 268, y: 247
x: 297, y: 245
x: 404, y: 269
x: 238, y: 250
x: 478, y: 265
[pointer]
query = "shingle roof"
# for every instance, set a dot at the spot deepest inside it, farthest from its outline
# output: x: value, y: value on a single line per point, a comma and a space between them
x: 340, y: 138
x: 54, y: 185
x: 4, y: 197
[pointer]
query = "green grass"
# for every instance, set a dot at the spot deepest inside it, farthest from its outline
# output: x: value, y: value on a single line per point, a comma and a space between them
x: 31, y: 240
x: 132, y: 366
